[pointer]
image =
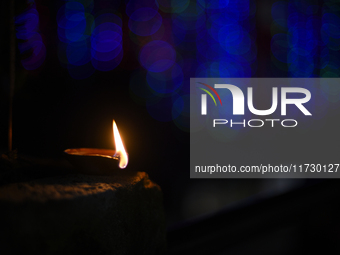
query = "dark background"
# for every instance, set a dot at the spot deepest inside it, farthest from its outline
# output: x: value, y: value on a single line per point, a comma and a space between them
x: 53, y: 112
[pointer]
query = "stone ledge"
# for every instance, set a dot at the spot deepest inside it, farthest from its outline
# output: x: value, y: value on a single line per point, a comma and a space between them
x: 83, y: 214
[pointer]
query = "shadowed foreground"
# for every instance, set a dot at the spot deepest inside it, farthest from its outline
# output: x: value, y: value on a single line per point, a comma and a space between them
x: 79, y: 214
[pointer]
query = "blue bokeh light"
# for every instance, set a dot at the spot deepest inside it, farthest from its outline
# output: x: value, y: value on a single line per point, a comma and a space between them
x: 106, y: 42
x: 214, y: 4
x: 157, y: 56
x: 134, y: 5
x: 88, y: 43
x: 173, y: 6
x: 27, y: 29
x: 78, y: 53
x: 75, y: 25
x: 297, y: 44
x: 107, y: 65
x: 145, y: 21
x: 279, y: 13
x: 166, y: 82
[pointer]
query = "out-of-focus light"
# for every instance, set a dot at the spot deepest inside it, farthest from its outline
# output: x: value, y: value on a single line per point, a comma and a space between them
x: 75, y: 25
x: 223, y: 33
x: 145, y: 21
x: 166, y: 82
x: 106, y: 42
x: 173, y: 6
x: 27, y: 27
x: 134, y: 5
x: 157, y: 56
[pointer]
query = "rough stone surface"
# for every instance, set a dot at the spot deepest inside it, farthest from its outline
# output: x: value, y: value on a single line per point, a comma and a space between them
x: 79, y: 214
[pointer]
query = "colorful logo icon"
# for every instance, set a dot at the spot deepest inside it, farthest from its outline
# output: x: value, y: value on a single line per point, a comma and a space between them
x: 213, y: 90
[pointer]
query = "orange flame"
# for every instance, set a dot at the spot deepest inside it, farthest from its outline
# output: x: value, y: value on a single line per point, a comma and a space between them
x: 120, y: 150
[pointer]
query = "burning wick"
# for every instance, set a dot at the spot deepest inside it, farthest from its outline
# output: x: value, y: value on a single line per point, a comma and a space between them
x: 120, y: 150
x: 95, y: 154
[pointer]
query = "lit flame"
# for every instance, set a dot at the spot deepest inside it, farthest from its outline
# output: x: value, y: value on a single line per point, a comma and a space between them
x: 120, y: 150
